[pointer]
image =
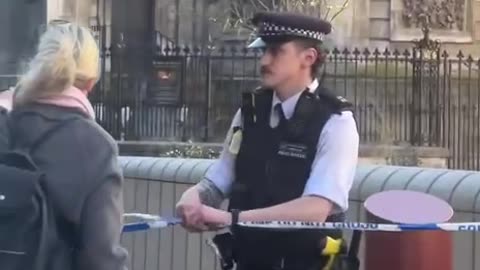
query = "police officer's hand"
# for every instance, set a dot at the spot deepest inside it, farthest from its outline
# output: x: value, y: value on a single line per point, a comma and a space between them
x: 189, y: 209
x: 216, y: 218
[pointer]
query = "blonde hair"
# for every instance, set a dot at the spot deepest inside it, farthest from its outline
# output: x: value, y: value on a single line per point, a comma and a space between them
x: 67, y: 56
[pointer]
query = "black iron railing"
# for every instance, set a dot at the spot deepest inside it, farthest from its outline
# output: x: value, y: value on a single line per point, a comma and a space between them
x: 399, y: 96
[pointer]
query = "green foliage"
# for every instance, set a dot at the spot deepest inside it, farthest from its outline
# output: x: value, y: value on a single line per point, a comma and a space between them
x: 192, y: 150
x: 402, y: 158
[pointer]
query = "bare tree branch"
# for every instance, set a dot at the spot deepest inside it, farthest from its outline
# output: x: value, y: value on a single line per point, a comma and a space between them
x: 241, y: 11
x: 262, y: 4
x: 342, y: 8
x: 236, y: 17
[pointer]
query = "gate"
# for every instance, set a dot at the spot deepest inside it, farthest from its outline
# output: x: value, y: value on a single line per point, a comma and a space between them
x: 144, y: 93
x: 426, y: 104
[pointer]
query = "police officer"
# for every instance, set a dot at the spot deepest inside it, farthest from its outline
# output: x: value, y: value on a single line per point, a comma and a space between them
x: 290, y: 154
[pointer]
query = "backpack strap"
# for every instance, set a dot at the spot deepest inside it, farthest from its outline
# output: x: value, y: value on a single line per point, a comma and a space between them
x: 4, y: 130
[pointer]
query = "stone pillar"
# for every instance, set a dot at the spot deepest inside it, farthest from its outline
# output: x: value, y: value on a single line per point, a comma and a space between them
x: 131, y: 57
x: 6, y: 30
x: 132, y: 27
x: 351, y: 25
x: 19, y: 22
x: 78, y: 11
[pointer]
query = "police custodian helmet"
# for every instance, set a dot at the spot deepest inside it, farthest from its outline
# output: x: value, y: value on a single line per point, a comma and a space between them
x: 285, y: 26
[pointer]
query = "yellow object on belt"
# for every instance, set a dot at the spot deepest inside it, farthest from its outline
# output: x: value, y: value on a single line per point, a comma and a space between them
x: 332, y: 248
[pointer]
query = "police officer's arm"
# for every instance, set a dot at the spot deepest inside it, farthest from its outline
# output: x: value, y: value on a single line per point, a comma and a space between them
x: 329, y: 183
x: 209, y: 193
x: 215, y: 186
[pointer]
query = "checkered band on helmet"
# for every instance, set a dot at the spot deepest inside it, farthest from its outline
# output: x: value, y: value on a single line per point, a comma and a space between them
x: 270, y: 29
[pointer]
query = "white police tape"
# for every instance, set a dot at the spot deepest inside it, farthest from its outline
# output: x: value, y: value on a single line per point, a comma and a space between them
x: 141, y: 216
x: 361, y: 226
x: 156, y: 222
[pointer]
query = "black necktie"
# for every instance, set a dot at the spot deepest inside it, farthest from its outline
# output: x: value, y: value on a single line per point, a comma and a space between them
x: 281, y: 114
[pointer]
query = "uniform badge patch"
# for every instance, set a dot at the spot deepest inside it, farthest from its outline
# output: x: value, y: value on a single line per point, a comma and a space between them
x: 293, y: 150
x: 342, y: 99
x: 235, y: 141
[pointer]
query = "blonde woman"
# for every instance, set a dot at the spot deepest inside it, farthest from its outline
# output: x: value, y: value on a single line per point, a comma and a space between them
x: 80, y: 159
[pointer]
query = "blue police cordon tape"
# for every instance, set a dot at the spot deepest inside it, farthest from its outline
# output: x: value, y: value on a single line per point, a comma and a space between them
x: 149, y: 222
x: 156, y: 222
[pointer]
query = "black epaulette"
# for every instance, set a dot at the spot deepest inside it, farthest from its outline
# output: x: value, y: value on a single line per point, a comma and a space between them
x: 339, y: 103
x: 260, y: 90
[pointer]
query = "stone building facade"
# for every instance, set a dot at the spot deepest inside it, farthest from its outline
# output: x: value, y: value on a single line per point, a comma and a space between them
x: 364, y: 23
x: 21, y: 22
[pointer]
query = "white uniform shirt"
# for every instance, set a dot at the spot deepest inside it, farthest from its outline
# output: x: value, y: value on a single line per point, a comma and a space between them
x: 333, y: 168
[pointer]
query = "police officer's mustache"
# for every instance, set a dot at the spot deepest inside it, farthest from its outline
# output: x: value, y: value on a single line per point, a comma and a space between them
x: 265, y: 70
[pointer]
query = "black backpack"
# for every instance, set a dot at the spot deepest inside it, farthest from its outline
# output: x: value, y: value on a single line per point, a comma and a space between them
x: 29, y: 234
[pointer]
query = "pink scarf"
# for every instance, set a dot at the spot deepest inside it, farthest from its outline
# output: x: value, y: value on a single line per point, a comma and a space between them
x: 6, y: 99
x: 72, y: 98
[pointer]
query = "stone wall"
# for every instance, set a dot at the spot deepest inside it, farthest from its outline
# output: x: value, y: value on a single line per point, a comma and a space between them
x: 388, y: 25
x: 368, y: 23
x: 19, y: 22
x: 72, y: 10
x: 429, y: 157
x: 154, y: 186
x: 190, y: 14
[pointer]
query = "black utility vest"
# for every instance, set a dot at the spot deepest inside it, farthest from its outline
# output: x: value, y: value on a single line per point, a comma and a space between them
x: 272, y: 167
